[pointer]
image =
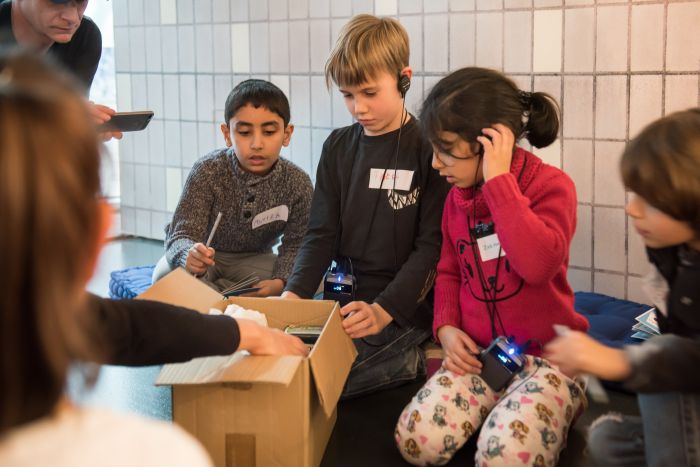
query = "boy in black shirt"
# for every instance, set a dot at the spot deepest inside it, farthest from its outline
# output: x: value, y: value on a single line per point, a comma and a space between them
x: 377, y: 202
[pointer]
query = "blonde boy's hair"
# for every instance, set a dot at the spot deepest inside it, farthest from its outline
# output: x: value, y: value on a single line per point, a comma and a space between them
x: 366, y: 46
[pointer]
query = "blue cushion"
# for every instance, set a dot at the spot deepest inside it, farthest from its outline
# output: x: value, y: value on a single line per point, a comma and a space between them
x: 611, y: 319
x: 130, y: 282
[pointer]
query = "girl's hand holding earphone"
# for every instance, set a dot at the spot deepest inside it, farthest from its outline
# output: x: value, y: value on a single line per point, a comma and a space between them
x: 498, y: 144
x: 460, y: 351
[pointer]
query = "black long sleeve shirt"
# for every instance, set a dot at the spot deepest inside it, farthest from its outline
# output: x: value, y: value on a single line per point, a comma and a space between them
x: 145, y: 332
x: 394, y: 250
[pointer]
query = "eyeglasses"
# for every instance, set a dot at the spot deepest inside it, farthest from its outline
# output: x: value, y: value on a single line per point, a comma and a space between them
x: 449, y: 159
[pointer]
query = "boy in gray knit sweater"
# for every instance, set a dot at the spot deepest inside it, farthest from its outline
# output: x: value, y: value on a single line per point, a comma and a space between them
x: 261, y: 197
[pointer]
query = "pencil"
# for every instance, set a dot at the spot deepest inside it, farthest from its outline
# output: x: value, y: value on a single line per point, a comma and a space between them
x: 213, y: 229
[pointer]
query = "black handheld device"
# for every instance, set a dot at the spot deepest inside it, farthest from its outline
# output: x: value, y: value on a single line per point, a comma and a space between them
x: 339, y: 281
x: 501, y: 362
x: 127, y: 121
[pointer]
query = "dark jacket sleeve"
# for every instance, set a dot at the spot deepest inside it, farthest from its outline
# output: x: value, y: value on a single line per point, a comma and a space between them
x: 316, y: 249
x: 144, y: 332
x: 416, y: 276
x: 87, y: 67
x: 665, y: 363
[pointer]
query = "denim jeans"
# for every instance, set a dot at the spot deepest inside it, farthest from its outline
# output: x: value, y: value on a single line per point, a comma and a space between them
x: 385, y: 360
x: 666, y: 434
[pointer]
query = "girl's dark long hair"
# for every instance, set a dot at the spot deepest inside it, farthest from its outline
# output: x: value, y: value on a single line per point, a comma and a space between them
x: 470, y: 99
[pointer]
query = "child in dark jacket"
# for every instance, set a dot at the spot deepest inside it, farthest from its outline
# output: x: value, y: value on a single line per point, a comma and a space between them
x: 661, y: 167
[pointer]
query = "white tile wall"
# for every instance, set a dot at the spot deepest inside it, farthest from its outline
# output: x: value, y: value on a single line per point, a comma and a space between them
x: 436, y: 43
x: 647, y: 47
x: 609, y: 234
x: 578, y: 163
x: 609, y: 284
x: 611, y: 38
x: 414, y: 27
x: 582, y: 245
x: 517, y: 55
x: 579, y: 40
x: 683, y: 40
x: 168, y: 11
x: 646, y: 102
x: 410, y: 6
x: 579, y: 279
x: 608, y: 186
x: 611, y: 107
x: 614, y: 65
x: 298, y: 9
x: 681, y: 92
x: 577, y: 111
x: 385, y: 7
x: 548, y: 41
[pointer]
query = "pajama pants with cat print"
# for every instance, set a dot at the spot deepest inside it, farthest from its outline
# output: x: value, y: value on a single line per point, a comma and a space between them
x: 525, y: 424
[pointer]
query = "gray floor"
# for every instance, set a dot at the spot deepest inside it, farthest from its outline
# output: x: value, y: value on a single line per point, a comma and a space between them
x: 362, y: 435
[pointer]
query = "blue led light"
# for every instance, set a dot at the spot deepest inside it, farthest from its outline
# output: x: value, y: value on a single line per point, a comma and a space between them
x: 511, y: 351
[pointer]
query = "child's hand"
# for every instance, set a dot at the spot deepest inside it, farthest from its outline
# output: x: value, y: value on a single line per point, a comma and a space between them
x: 363, y: 319
x: 199, y: 258
x: 460, y: 351
x: 576, y: 353
x: 268, y: 288
x: 498, y: 150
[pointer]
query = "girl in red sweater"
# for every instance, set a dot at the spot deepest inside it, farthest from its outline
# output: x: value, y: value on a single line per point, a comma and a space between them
x: 507, y: 226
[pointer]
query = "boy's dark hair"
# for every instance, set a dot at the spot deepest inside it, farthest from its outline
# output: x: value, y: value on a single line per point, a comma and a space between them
x: 662, y: 165
x: 470, y: 99
x: 258, y: 93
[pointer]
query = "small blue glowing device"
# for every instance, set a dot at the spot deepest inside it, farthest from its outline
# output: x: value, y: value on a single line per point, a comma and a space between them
x: 339, y: 282
x: 501, y: 362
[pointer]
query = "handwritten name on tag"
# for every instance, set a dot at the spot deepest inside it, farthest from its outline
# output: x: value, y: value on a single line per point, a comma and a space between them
x: 279, y: 213
x: 393, y: 179
x: 489, y: 247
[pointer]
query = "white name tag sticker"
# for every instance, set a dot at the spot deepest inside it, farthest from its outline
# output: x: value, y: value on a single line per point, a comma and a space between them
x: 489, y: 247
x: 393, y: 179
x: 279, y: 213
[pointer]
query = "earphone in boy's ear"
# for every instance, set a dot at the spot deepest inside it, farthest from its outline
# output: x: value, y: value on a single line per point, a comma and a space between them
x: 404, y: 84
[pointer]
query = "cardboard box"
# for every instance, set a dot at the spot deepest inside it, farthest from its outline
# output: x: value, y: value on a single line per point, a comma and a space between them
x: 259, y: 411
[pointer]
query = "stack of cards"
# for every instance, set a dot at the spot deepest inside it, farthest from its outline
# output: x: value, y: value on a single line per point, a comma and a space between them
x: 242, y: 286
x: 646, y: 326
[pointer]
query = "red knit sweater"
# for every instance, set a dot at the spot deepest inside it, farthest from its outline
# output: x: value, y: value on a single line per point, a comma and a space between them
x: 533, y: 209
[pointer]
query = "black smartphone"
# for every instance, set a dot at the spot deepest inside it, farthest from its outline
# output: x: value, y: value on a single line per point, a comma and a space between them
x: 127, y: 121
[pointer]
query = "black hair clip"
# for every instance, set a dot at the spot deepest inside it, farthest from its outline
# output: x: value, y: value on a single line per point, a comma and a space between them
x: 525, y: 98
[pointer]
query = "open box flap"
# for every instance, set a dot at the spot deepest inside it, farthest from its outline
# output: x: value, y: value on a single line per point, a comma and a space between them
x: 237, y: 368
x: 331, y: 359
x: 182, y: 289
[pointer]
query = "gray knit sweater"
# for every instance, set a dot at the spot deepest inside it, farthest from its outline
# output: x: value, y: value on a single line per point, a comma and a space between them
x: 252, y: 207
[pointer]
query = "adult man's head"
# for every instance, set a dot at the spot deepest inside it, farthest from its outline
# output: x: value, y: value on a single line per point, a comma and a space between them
x: 41, y: 23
